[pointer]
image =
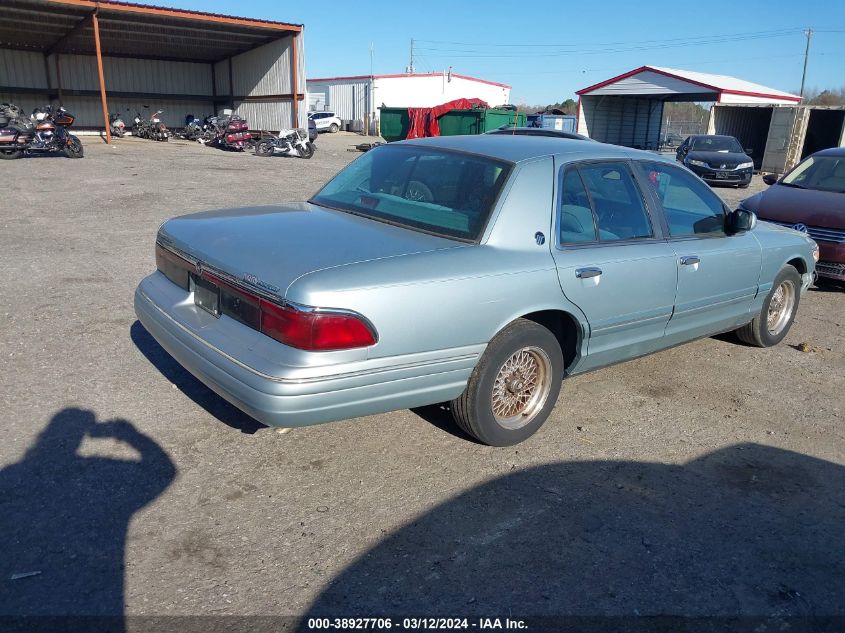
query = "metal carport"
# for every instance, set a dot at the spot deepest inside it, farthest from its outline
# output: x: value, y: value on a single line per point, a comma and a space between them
x: 628, y: 109
x: 87, y: 55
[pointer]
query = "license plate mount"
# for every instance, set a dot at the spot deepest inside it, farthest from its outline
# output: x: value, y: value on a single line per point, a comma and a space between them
x: 721, y: 175
x: 206, y: 295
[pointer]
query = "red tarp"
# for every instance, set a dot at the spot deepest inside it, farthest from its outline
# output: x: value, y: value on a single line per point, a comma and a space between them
x: 423, y: 121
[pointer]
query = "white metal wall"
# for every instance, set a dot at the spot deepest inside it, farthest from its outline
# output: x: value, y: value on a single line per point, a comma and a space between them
x: 79, y: 72
x: 628, y: 121
x: 346, y: 98
x: 648, y: 82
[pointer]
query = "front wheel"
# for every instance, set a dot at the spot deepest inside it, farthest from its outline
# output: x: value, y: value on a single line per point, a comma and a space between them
x: 73, y: 147
x: 307, y: 151
x: 514, y: 387
x: 772, y: 324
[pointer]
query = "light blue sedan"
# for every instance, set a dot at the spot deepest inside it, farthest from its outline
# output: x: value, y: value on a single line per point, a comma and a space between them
x: 476, y: 270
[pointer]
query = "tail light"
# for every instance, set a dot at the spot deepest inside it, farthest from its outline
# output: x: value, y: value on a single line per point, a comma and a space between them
x: 313, y: 329
x: 302, y: 327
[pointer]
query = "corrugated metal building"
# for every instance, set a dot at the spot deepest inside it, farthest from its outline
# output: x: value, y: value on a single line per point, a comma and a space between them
x: 628, y: 109
x: 92, y: 56
x: 358, y: 99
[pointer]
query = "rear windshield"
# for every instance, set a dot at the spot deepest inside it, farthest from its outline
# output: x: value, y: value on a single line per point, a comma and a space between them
x: 435, y: 191
x: 716, y: 144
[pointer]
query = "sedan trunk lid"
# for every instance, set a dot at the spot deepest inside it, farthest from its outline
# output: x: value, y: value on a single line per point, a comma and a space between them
x: 272, y: 246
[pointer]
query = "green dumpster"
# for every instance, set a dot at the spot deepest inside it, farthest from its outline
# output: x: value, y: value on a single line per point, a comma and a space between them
x: 395, y: 123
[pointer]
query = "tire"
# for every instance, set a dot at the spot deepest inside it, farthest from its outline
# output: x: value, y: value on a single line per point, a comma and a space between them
x: 73, y: 148
x: 334, y: 127
x: 745, y: 186
x: 768, y: 329
x: 308, y: 152
x: 10, y: 154
x: 264, y: 148
x: 487, y: 409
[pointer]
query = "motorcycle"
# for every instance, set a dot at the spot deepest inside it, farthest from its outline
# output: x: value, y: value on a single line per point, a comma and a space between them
x: 117, y: 125
x: 227, y: 132
x: 153, y: 128
x: 194, y: 128
x: 45, y: 131
x: 293, y: 142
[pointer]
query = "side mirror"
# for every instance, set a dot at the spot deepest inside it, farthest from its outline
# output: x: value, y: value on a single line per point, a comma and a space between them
x: 770, y: 179
x: 749, y: 151
x: 740, y: 220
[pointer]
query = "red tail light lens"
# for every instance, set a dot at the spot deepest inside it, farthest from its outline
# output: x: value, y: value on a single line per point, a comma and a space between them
x: 312, y: 330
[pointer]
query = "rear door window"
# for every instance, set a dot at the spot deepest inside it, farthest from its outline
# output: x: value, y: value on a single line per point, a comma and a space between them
x: 616, y: 201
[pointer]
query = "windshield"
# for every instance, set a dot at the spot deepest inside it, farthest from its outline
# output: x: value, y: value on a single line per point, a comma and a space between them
x: 435, y: 191
x: 824, y: 173
x: 716, y: 144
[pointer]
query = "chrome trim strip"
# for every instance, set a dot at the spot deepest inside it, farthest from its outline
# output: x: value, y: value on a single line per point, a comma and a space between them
x: 301, y: 381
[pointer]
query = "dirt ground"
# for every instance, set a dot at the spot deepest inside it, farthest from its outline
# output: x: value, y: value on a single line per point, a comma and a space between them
x: 704, y: 480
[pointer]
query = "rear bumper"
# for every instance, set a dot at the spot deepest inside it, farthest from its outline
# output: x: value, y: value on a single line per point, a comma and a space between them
x: 295, y: 395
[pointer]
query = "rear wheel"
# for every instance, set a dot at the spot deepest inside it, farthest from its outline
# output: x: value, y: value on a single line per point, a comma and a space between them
x: 9, y: 154
x: 334, y: 127
x: 264, y: 148
x: 73, y: 147
x: 514, y: 387
x: 307, y: 151
x: 772, y: 324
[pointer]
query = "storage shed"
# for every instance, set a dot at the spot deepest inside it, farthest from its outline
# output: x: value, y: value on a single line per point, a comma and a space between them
x: 101, y: 56
x: 628, y: 109
x: 780, y: 135
x: 357, y: 99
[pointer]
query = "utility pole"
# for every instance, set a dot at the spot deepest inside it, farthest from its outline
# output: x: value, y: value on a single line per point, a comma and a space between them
x: 809, y: 34
x: 411, y: 65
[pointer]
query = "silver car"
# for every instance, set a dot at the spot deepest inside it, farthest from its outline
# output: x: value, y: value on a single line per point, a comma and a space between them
x: 478, y: 271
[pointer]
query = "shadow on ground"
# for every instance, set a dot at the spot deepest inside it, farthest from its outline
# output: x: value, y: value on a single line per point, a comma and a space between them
x: 748, y: 530
x: 174, y: 372
x: 64, y: 517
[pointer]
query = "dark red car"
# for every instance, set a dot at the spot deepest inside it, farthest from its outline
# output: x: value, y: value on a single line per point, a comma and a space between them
x: 810, y: 198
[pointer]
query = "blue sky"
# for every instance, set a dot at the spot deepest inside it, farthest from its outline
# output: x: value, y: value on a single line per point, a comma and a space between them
x: 547, y: 53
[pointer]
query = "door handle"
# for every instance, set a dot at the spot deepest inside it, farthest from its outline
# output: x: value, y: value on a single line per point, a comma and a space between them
x: 689, y: 260
x: 586, y: 273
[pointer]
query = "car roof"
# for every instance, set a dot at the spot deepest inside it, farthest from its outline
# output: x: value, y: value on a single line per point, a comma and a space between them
x: 832, y: 151
x: 712, y: 136
x: 517, y: 148
x: 538, y: 131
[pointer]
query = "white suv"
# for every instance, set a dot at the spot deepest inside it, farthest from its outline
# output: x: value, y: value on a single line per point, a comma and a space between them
x: 326, y: 121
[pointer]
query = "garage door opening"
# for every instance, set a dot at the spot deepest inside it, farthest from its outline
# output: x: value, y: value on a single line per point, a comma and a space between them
x: 749, y: 125
x: 824, y: 130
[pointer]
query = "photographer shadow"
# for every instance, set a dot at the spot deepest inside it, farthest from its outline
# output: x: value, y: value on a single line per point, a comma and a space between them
x: 64, y: 519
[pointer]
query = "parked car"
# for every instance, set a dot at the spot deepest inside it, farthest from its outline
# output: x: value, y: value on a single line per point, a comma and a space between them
x: 326, y: 121
x: 810, y: 198
x: 538, y: 131
x: 477, y: 270
x: 717, y: 159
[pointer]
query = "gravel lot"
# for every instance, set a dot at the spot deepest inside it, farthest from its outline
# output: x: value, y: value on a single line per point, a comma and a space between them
x: 704, y: 480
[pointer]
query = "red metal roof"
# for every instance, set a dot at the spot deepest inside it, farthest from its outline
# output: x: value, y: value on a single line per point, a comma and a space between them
x: 713, y: 83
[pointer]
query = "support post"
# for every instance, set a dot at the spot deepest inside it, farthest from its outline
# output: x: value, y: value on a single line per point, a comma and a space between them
x: 293, y: 81
x: 96, y: 23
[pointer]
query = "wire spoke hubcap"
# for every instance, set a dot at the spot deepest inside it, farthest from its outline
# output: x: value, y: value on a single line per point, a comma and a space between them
x: 780, y: 308
x: 521, y: 387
